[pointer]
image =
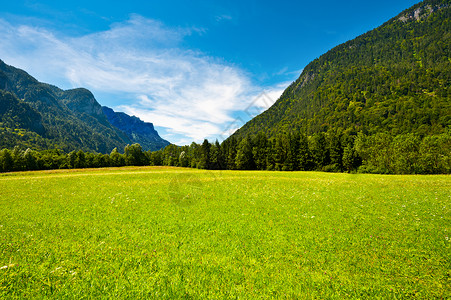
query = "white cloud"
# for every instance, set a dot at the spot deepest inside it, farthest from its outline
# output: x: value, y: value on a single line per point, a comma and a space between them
x: 190, y: 94
x: 223, y: 18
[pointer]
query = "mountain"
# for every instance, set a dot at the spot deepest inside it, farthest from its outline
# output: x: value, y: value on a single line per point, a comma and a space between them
x: 42, y: 116
x: 136, y: 130
x: 395, y: 79
x: 20, y: 124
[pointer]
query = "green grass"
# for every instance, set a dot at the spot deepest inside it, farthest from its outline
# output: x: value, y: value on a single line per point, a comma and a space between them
x: 181, y: 233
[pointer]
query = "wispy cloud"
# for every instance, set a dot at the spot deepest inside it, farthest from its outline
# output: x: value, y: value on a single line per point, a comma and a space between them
x: 192, y: 95
x: 221, y: 18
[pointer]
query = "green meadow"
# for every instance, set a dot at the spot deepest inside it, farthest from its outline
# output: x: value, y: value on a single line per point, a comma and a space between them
x: 164, y: 233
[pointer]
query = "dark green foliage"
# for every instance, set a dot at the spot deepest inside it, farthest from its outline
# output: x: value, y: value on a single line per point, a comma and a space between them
x: 305, y: 160
x: 270, y: 155
x: 20, y: 160
x: 18, y: 114
x: 204, y: 162
x: 40, y: 116
x: 405, y: 149
x: 376, y: 152
x: 244, y: 156
x: 336, y: 150
x: 260, y: 151
x: 216, y: 157
x: 291, y: 161
x: 30, y: 161
x: 171, y: 155
x: 194, y: 155
x: 279, y: 151
x: 6, y: 161
x: 156, y: 158
x: 379, y: 153
x: 351, y: 160
x: 116, y: 159
x: 393, y: 79
x: 134, y: 156
x: 320, y: 151
x: 51, y: 159
x: 231, y: 153
x: 70, y: 160
x: 434, y: 153
x: 332, y: 151
x: 184, y: 160
x: 80, y: 160
x: 405, y: 154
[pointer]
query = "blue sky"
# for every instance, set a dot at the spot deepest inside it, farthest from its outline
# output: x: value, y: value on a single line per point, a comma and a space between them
x: 196, y: 69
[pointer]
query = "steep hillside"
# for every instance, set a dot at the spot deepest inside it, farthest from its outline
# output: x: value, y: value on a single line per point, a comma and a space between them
x: 395, y: 79
x: 136, y: 130
x: 18, y: 114
x: 42, y: 116
x: 20, y: 124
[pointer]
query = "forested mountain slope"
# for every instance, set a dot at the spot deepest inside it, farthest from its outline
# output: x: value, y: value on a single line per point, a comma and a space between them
x: 394, y: 79
x: 42, y: 116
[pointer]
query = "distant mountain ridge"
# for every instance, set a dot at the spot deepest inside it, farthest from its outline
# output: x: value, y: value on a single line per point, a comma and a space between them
x: 42, y: 116
x: 136, y: 130
x: 395, y: 78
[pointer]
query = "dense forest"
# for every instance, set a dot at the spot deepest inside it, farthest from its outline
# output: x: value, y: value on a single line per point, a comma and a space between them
x: 333, y: 151
x: 393, y: 79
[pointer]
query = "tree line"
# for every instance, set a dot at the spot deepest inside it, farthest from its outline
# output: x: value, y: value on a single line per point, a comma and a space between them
x: 332, y: 151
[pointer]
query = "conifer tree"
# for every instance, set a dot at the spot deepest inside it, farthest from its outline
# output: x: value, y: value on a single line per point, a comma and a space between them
x: 216, y: 161
x: 304, y: 156
x: 280, y: 152
x: 259, y: 151
x: 231, y: 165
x: 292, y: 149
x: 244, y: 157
x: 204, y: 162
x: 80, y: 161
x: 335, y: 150
x: 6, y: 160
x: 320, y: 151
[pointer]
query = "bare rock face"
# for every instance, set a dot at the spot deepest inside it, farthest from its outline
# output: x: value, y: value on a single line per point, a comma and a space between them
x: 82, y: 101
x: 421, y: 13
x: 308, y: 77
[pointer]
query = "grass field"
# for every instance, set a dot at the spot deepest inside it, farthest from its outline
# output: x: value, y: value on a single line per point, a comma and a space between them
x: 181, y: 233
